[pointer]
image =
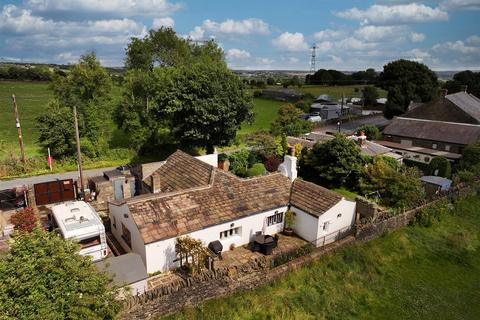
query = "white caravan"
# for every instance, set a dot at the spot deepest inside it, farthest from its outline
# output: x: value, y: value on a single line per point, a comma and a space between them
x: 78, y: 221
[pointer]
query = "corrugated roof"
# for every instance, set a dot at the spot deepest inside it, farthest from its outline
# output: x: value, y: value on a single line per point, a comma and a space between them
x: 449, y: 132
x: 312, y: 198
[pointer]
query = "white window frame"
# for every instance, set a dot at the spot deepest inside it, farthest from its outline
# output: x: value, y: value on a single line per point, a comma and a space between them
x: 229, y: 233
x: 274, y: 219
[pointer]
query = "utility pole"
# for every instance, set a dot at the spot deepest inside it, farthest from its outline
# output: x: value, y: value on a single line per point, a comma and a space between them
x: 19, y: 129
x: 313, y: 59
x: 79, y: 153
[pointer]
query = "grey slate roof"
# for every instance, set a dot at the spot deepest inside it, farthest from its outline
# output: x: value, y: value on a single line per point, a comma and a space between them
x: 467, y: 102
x: 125, y: 269
x: 449, y: 132
x: 439, y: 181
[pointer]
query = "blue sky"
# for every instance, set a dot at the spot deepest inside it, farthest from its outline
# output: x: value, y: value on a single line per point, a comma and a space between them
x: 350, y: 34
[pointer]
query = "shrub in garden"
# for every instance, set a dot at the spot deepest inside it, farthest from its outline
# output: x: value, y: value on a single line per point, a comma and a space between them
x: 428, y: 216
x: 257, y: 169
x: 24, y: 220
x: 239, y: 159
x: 272, y: 163
x: 439, y: 166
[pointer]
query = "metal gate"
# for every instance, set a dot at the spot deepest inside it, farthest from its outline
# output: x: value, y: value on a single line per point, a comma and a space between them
x: 54, y: 191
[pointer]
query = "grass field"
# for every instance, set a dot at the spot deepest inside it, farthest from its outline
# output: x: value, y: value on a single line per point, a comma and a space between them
x: 265, y: 112
x: 414, y: 273
x: 336, y: 91
x: 32, y: 98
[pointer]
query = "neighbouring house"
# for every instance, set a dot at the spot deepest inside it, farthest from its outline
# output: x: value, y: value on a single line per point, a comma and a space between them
x: 205, y: 203
x: 321, y: 216
x: 373, y: 149
x: 127, y: 272
x: 460, y: 107
x: 434, y: 184
x: 421, y: 140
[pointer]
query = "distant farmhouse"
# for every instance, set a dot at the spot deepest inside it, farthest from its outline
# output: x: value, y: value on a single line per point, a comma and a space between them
x: 443, y: 127
x: 328, y: 109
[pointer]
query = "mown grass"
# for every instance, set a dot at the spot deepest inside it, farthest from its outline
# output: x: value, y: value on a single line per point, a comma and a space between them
x: 266, y: 111
x: 414, y: 273
x: 346, y: 193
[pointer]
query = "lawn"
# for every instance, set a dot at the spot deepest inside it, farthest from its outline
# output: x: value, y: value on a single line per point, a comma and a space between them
x: 414, y: 273
x: 32, y: 98
x: 266, y: 111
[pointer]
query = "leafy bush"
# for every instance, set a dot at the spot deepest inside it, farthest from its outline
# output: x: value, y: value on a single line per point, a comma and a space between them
x: 257, y: 93
x: 439, y: 166
x: 257, y: 169
x: 290, y: 255
x: 370, y: 131
x: 24, y: 220
x: 428, y: 216
x: 239, y: 159
x: 241, y: 172
x: 272, y: 163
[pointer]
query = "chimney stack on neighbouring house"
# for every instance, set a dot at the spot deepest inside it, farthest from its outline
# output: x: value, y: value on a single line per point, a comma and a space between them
x: 443, y: 93
x: 464, y: 88
x: 361, y: 139
x: 155, y: 182
x: 289, y: 167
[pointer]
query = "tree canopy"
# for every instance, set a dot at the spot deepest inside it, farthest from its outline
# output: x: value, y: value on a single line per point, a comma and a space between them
x: 407, y: 81
x: 289, y: 123
x: 370, y: 95
x: 334, y: 163
x: 88, y: 87
x: 182, y: 90
x: 469, y: 78
x: 43, y: 277
x: 370, y: 131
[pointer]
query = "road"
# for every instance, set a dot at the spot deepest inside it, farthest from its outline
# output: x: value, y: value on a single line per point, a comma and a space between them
x: 349, y: 127
x: 9, y: 184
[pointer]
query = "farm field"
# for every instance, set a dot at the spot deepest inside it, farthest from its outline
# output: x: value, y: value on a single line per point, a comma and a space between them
x: 413, y: 273
x: 32, y: 98
x: 266, y: 111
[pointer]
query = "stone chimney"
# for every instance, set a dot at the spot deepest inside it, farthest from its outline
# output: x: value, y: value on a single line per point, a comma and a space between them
x: 289, y: 167
x: 464, y: 88
x: 361, y: 139
x: 443, y: 93
x: 155, y: 183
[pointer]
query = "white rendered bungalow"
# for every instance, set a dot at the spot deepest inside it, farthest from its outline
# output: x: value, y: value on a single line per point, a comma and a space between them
x: 209, y: 204
x: 321, y: 216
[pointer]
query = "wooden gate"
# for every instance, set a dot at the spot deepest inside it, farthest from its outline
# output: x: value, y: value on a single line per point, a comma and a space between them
x: 54, y: 191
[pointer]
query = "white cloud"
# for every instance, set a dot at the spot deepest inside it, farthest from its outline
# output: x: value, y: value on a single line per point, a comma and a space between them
x: 473, y: 40
x: 163, y: 22
x: 236, y: 27
x: 458, y: 47
x: 460, y: 4
x: 417, y: 55
x: 123, y: 8
x: 379, y: 33
x: 293, y: 60
x: 237, y: 54
x: 197, y: 33
x: 395, y: 14
x: 328, y: 34
x: 266, y: 61
x: 417, y: 37
x: 335, y: 59
x: 352, y: 43
x: 290, y: 42
x: 325, y: 46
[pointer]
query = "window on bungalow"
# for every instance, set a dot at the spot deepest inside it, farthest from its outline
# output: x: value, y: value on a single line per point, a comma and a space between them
x: 275, y: 219
x: 230, y: 233
x: 434, y: 146
x: 447, y: 147
x: 126, y: 236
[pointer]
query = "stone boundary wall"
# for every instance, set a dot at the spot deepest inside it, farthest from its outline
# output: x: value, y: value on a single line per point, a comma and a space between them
x: 385, y: 222
x: 173, y: 296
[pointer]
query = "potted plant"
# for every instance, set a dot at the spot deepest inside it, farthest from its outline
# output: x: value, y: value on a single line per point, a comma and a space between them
x: 289, y: 223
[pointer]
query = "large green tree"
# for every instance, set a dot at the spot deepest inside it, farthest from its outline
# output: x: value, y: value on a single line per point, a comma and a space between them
x: 465, y: 78
x: 407, y: 81
x: 289, y: 123
x: 370, y: 95
x: 88, y: 87
x: 337, y: 162
x: 178, y: 89
x: 44, y: 277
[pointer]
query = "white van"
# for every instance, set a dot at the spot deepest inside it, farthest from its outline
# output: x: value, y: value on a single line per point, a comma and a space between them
x: 77, y: 220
